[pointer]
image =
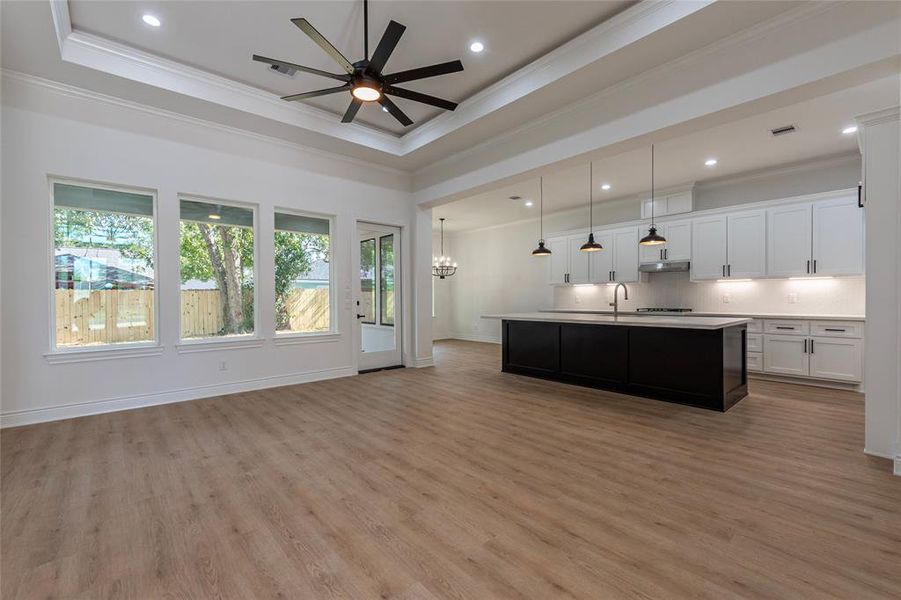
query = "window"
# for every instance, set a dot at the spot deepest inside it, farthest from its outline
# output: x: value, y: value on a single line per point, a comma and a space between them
x: 367, y: 280
x: 217, y: 269
x: 302, y: 273
x: 103, y: 264
x: 386, y: 279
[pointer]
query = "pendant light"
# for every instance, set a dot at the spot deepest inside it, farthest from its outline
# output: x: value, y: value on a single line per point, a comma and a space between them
x: 541, y: 250
x: 591, y: 245
x: 443, y: 266
x: 652, y: 238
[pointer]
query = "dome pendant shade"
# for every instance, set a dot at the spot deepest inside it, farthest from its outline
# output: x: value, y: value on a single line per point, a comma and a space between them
x: 541, y: 250
x: 591, y: 245
x: 652, y: 238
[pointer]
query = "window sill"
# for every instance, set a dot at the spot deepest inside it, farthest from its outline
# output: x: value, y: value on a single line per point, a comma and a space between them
x: 291, y: 339
x: 75, y: 355
x: 189, y: 346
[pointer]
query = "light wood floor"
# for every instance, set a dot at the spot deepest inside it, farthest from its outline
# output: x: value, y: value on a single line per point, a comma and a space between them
x: 453, y: 482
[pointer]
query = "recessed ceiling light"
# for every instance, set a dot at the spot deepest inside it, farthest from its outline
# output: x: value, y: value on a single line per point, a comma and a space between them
x: 710, y: 162
x: 476, y: 47
x: 850, y: 130
x: 151, y: 20
x: 529, y: 203
x: 605, y: 186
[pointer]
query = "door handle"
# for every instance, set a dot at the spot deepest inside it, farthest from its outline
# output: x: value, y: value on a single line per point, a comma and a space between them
x: 359, y: 316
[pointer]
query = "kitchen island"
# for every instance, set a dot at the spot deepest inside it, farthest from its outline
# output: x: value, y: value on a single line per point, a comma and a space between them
x: 698, y: 361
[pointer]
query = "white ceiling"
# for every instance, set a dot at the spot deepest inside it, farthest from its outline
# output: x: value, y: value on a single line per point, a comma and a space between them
x: 220, y: 37
x: 110, y: 51
x: 739, y: 146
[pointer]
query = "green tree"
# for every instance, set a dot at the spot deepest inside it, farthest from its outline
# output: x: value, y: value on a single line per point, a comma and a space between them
x: 294, y: 256
x: 131, y: 235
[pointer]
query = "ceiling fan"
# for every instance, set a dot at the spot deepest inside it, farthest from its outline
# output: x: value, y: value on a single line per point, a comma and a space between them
x: 364, y: 79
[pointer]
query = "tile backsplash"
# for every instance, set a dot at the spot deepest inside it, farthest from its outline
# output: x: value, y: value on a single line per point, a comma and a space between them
x: 830, y: 296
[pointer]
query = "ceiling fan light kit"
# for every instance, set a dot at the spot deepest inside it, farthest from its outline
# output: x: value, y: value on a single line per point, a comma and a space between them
x: 364, y: 79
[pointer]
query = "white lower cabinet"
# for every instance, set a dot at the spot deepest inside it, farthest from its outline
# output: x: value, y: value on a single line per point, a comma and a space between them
x: 836, y: 358
x: 785, y: 355
x: 755, y: 362
x: 829, y: 350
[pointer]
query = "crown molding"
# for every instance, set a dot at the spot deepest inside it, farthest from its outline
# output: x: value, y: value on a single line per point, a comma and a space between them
x: 880, y: 116
x: 823, y: 162
x: 636, y: 22
x: 77, y: 92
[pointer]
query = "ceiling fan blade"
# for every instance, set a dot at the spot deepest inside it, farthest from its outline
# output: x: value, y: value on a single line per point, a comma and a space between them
x: 417, y: 97
x: 395, y: 111
x: 351, y: 111
x: 290, y: 65
x: 424, y: 72
x: 323, y: 43
x: 313, y: 94
x: 386, y: 46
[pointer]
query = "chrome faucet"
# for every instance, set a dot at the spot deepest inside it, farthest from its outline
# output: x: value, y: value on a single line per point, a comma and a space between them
x: 615, y: 303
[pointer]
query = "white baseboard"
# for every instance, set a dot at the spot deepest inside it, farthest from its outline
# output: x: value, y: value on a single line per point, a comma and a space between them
x: 419, y: 363
x: 487, y: 339
x: 81, y: 409
x: 823, y: 383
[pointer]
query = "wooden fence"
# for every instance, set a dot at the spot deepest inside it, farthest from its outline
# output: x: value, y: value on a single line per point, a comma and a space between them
x: 113, y: 316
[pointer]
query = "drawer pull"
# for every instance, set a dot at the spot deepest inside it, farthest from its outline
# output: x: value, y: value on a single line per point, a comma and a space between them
x: 834, y: 329
x: 785, y: 327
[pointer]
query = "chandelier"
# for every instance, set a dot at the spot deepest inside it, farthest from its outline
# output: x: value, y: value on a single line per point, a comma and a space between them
x: 443, y: 267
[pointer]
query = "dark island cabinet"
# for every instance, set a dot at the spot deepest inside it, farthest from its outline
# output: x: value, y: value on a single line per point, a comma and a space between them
x: 700, y: 367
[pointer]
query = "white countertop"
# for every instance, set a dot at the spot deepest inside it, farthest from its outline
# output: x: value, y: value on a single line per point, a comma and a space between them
x: 677, y: 322
x: 751, y: 315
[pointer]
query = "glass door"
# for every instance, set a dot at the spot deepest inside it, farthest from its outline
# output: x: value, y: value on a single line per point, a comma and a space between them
x: 378, y: 301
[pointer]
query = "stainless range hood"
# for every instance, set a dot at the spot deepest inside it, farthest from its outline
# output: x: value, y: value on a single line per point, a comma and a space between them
x: 675, y: 266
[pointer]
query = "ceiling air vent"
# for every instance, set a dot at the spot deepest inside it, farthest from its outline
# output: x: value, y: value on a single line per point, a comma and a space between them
x: 784, y: 130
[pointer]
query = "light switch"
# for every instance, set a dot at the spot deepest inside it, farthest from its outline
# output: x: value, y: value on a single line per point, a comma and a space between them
x: 727, y: 298
x: 793, y: 298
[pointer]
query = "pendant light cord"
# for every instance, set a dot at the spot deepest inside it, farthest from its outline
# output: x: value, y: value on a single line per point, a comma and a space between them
x: 541, y: 208
x: 442, y: 235
x: 590, y: 198
x: 652, y: 186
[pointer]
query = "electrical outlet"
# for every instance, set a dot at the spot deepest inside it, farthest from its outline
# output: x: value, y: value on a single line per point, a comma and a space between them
x: 727, y: 298
x: 223, y: 366
x: 578, y: 299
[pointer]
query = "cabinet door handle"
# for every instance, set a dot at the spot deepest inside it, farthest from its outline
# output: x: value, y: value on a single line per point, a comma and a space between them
x: 785, y: 327
x: 833, y: 329
x: 814, y: 265
x: 661, y: 254
x: 729, y: 270
x: 811, y: 346
x: 724, y: 270
x: 805, y: 345
x: 808, y: 266
x: 614, y: 276
x: 666, y: 253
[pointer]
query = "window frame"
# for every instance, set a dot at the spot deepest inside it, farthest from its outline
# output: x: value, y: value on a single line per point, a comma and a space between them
x: 333, y: 326
x: 116, y: 349
x: 229, y: 341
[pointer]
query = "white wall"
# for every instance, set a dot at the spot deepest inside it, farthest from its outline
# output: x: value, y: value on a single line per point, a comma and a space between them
x: 879, y: 134
x: 498, y: 274
x: 48, y: 132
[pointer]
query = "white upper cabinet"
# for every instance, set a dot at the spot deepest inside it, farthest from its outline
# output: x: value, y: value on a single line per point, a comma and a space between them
x: 625, y: 255
x: 789, y: 240
x: 578, y: 260
x: 602, y: 260
x: 746, y: 245
x: 838, y: 244
x: 709, y: 247
x: 677, y: 246
x: 558, y: 261
x: 673, y: 203
x: 678, y: 240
